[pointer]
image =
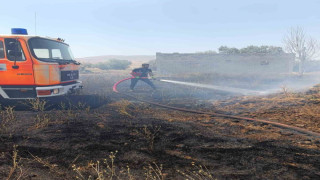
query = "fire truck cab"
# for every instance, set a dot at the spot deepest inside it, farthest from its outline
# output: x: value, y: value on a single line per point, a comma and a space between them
x: 34, y: 66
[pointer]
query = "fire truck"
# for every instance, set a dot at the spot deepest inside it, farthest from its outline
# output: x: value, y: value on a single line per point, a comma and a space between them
x: 36, y: 67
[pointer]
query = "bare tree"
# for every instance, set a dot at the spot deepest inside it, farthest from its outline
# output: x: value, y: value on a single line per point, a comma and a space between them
x: 297, y: 42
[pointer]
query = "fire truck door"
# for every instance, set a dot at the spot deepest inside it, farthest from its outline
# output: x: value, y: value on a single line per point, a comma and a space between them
x: 15, y: 63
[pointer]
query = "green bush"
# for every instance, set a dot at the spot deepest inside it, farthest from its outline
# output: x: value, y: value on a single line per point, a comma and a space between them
x: 251, y: 50
x: 113, y: 64
x: 84, y: 68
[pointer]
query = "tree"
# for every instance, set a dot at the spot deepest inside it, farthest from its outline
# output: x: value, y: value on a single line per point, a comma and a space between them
x: 251, y: 50
x: 261, y: 50
x: 297, y: 42
x: 207, y: 52
x: 114, y: 64
x: 227, y: 50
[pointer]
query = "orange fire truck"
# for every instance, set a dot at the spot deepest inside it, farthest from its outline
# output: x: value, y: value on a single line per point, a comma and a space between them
x: 33, y: 66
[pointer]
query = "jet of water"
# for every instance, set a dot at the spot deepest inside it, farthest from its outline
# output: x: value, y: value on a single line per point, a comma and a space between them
x: 222, y: 88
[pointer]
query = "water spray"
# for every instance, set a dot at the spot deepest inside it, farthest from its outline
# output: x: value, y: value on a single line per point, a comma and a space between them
x: 220, y: 88
x: 207, y: 86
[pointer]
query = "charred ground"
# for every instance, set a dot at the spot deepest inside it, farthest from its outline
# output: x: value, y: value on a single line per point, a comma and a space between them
x: 136, y: 140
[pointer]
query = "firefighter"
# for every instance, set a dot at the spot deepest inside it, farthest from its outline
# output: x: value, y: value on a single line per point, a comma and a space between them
x: 142, y: 74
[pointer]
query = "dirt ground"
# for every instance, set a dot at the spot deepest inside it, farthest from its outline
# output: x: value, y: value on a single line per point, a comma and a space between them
x: 115, y: 137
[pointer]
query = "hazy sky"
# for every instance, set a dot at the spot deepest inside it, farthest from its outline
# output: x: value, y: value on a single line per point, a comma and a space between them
x: 143, y: 27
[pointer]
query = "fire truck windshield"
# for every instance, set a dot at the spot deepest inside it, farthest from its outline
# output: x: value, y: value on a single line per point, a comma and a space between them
x: 50, y: 50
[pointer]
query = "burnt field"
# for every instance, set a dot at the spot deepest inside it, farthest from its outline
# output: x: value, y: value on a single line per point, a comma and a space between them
x: 113, y: 136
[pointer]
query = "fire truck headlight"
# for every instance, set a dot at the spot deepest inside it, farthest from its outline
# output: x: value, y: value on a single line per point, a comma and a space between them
x: 55, y: 91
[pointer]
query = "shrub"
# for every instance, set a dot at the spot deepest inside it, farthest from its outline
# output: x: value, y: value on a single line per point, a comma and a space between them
x: 251, y: 50
x: 113, y: 64
x: 84, y: 68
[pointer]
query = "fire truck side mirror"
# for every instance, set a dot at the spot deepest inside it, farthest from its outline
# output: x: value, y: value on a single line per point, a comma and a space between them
x: 12, y: 45
x: 15, y: 67
x: 15, y: 53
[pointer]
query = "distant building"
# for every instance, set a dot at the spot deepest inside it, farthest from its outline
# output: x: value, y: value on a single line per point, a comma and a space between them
x: 232, y: 64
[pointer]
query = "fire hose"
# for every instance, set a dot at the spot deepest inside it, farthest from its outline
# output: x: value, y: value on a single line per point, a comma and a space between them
x: 277, y: 124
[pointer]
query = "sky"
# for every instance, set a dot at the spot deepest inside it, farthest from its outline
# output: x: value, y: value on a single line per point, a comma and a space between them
x: 144, y: 27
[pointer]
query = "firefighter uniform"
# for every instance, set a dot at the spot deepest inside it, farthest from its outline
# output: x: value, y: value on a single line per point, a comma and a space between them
x: 141, y: 74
